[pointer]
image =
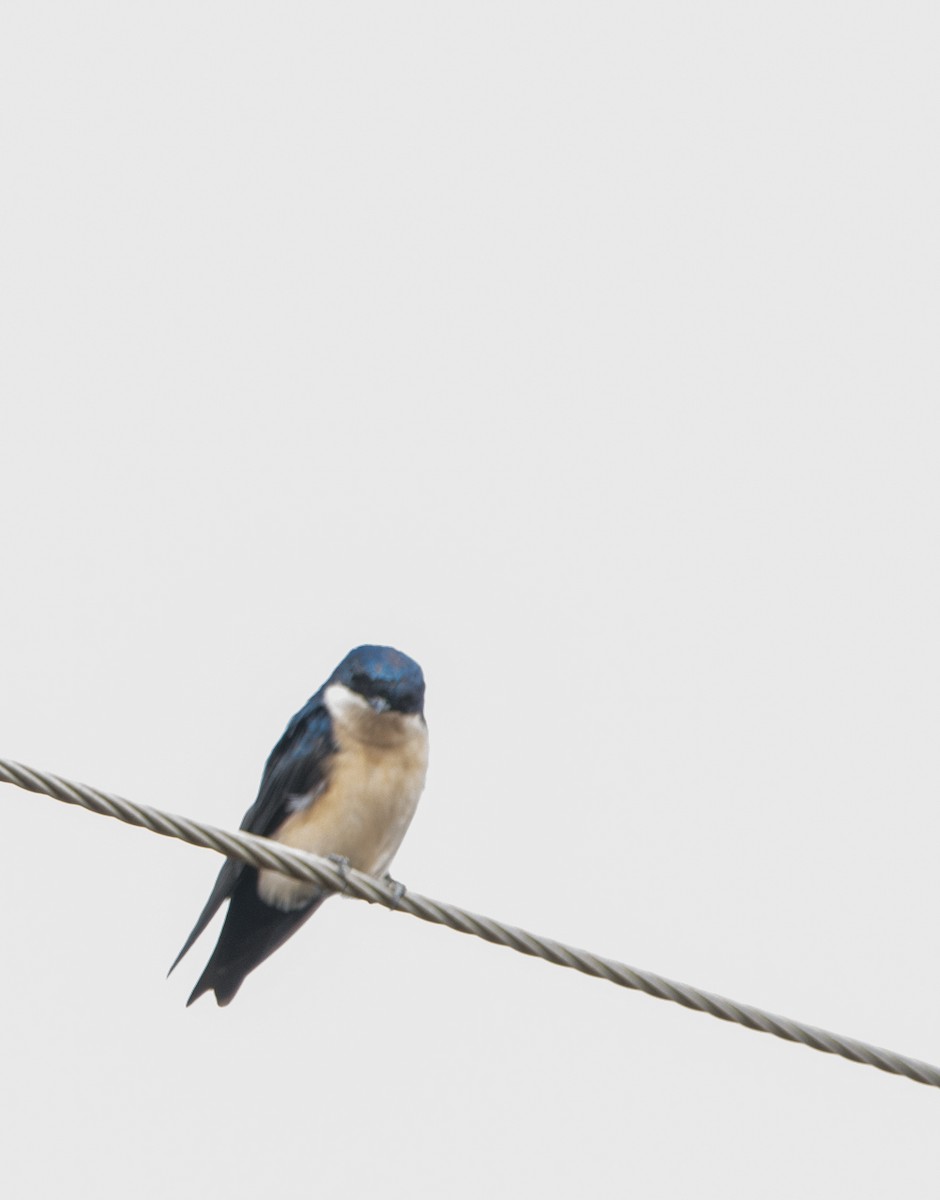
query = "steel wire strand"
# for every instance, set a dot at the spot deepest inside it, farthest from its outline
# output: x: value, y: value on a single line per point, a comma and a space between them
x: 261, y: 852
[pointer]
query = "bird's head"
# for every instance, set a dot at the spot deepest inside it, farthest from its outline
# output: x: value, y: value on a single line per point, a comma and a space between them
x: 387, y: 679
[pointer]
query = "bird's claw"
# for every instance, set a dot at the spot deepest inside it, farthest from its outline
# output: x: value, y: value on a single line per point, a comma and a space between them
x: 397, y: 889
x: 341, y: 862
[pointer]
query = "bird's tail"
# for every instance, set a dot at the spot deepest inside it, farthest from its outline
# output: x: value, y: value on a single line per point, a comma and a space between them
x: 252, y: 931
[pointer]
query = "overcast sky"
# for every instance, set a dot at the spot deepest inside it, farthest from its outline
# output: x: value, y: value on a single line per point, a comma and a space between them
x: 588, y: 353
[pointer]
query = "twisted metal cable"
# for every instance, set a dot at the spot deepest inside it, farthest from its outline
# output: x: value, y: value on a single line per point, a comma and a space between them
x: 262, y: 853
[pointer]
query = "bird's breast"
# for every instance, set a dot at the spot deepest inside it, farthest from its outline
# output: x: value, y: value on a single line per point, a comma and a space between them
x: 362, y: 812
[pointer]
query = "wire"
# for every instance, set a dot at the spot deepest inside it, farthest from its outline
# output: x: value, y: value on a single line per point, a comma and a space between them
x: 262, y: 853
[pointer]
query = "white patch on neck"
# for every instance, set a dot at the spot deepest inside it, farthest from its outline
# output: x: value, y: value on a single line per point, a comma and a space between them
x: 353, y: 716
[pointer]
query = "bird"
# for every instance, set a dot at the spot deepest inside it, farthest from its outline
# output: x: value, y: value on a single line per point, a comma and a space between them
x: 343, y: 782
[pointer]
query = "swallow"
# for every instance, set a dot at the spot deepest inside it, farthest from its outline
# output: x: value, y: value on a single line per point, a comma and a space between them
x: 344, y: 781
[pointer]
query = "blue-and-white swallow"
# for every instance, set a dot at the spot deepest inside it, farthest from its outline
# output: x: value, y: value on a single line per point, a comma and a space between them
x: 344, y: 781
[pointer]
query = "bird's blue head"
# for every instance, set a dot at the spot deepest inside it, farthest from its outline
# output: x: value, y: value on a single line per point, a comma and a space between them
x: 385, y: 677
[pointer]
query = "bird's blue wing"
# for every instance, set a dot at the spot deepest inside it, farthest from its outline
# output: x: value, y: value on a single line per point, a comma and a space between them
x: 296, y: 768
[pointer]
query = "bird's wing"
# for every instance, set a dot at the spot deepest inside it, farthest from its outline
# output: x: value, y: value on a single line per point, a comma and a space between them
x: 293, y: 777
x: 295, y: 769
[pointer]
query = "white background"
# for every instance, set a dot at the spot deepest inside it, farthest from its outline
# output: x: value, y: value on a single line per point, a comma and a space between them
x: 589, y: 354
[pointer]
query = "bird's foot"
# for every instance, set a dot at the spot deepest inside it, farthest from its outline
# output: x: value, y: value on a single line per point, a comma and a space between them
x: 397, y: 889
x: 341, y: 862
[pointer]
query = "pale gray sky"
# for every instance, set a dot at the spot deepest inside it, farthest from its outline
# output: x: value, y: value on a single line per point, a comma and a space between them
x: 588, y: 353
